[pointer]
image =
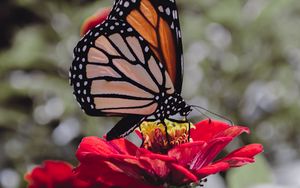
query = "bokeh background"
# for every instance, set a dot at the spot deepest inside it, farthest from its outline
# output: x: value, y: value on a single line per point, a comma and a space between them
x: 242, y: 60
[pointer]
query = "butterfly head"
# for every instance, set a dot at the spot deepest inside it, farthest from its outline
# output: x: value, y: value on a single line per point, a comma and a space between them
x: 184, y: 109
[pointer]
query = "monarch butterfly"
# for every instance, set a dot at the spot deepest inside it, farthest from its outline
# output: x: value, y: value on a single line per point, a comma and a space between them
x: 131, y: 65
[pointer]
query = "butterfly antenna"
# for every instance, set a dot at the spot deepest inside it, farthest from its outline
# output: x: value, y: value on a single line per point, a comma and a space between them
x: 203, y: 114
x: 199, y: 108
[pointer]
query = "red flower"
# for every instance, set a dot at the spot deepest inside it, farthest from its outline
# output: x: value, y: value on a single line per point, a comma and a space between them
x: 54, y: 174
x: 122, y: 164
x: 94, y: 20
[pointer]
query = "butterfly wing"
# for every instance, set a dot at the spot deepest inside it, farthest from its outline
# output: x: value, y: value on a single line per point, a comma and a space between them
x: 114, y: 72
x: 156, y: 21
x: 117, y: 69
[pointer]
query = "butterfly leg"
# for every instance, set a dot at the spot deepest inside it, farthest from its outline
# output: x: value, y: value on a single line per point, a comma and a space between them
x: 124, y: 127
x: 167, y: 134
x: 143, y: 138
x: 189, y: 137
x: 189, y: 127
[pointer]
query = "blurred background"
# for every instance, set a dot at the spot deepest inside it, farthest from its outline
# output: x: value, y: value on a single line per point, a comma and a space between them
x: 242, y: 60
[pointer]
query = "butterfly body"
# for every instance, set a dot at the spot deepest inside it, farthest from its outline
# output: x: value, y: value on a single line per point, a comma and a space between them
x: 170, y: 105
x: 131, y: 65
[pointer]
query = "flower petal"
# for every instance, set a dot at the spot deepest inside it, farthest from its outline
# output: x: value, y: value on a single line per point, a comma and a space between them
x: 121, y: 163
x: 211, y: 150
x: 208, y: 129
x: 37, y: 177
x: 54, y: 174
x: 181, y: 175
x: 108, y: 175
x: 124, y: 146
x: 185, y: 153
x: 212, y: 169
x: 121, y: 156
x: 97, y: 146
x: 233, y: 131
x: 58, y: 170
x: 159, y: 156
x: 243, y: 155
x: 157, y: 168
x: 94, y: 20
x: 139, y: 134
x: 102, y: 162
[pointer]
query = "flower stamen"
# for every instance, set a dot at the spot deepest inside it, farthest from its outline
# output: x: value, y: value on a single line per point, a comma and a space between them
x: 156, y: 139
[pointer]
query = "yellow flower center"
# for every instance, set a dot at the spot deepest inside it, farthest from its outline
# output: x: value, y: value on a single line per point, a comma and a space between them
x: 156, y: 139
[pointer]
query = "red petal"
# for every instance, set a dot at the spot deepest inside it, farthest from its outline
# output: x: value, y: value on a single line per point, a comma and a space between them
x: 54, y: 174
x: 90, y: 154
x: 124, y: 146
x: 94, y: 20
x: 243, y: 155
x: 239, y: 161
x: 212, y: 169
x: 184, y: 171
x: 233, y: 131
x: 206, y: 129
x: 209, y: 129
x: 139, y: 134
x: 58, y: 170
x: 78, y: 183
x: 38, y: 177
x: 211, y: 150
x: 100, y: 147
x: 159, y: 156
x: 185, y: 153
x: 94, y: 145
x: 156, y: 167
x: 136, y: 168
x: 108, y: 175
x: 121, y: 163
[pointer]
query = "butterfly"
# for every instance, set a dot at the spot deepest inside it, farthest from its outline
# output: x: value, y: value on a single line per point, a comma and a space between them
x: 131, y: 65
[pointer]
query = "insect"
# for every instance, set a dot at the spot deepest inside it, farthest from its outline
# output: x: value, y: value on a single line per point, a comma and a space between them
x: 131, y: 65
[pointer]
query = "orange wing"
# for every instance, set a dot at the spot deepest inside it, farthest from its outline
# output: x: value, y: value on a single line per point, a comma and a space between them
x: 157, y: 22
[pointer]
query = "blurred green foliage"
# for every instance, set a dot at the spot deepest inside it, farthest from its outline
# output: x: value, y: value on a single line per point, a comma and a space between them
x: 242, y: 59
x: 250, y: 175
